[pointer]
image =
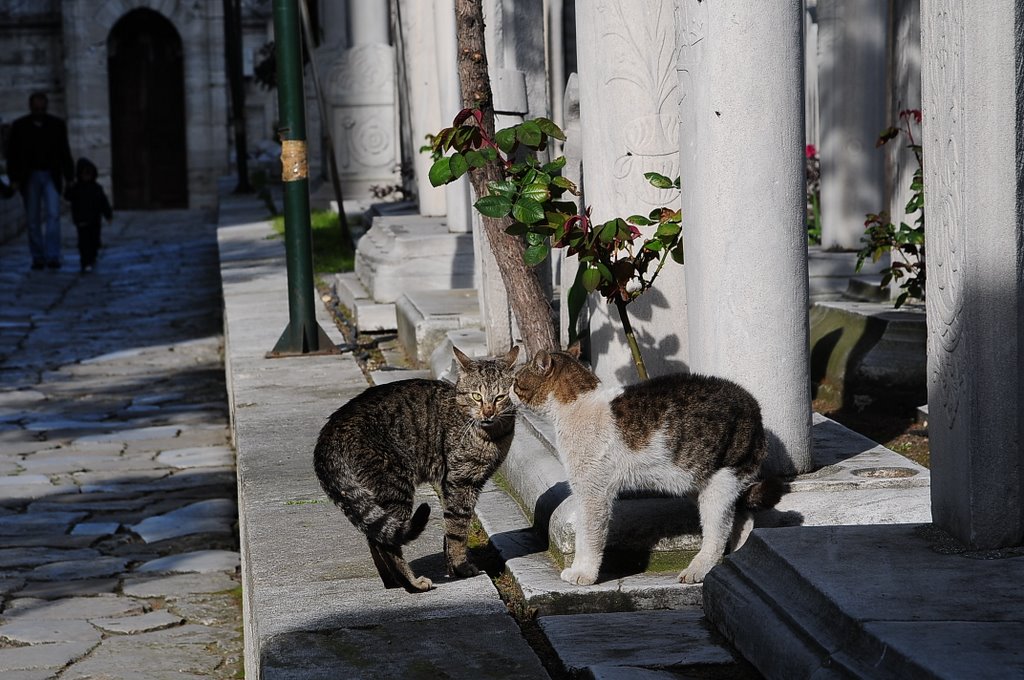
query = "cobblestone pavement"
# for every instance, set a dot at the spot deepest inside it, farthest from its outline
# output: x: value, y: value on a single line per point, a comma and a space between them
x: 118, y: 522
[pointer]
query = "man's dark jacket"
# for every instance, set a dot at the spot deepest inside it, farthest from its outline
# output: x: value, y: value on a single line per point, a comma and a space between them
x: 39, y: 141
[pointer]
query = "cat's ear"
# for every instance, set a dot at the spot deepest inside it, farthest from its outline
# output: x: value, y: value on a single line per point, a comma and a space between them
x: 542, y: 361
x: 513, y: 354
x: 464, y: 360
x: 573, y: 350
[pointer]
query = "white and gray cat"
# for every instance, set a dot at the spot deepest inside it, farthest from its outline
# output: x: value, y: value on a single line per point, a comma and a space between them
x: 677, y: 434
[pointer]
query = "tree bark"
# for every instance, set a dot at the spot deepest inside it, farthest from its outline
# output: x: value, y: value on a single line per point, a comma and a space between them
x: 526, y: 294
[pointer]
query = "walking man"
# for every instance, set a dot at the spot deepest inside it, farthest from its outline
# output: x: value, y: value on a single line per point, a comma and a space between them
x: 38, y: 162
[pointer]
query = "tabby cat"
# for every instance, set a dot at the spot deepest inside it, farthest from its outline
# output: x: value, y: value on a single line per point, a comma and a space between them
x: 377, y: 448
x: 677, y: 434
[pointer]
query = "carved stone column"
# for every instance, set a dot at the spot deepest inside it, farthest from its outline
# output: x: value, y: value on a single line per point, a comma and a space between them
x: 851, y: 92
x: 629, y: 117
x: 904, y: 93
x: 972, y: 96
x: 361, y: 91
x: 422, y: 91
x: 741, y: 71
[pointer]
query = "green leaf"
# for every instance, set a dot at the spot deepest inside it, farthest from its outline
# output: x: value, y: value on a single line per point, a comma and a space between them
x: 535, y: 254
x: 608, y: 231
x: 639, y: 220
x: 605, y: 272
x: 555, y: 165
x: 494, y: 206
x: 549, y: 128
x: 476, y: 159
x: 677, y: 253
x: 527, y: 211
x: 529, y: 133
x: 591, y: 279
x: 555, y: 218
x: 458, y: 165
x: 505, y: 188
x: 506, y: 139
x: 654, y: 244
x: 489, y: 153
x: 658, y: 180
x: 668, y: 229
x: 440, y: 172
x: 537, y: 191
x: 565, y: 183
x: 516, y: 229
x: 576, y: 299
x: 535, y: 238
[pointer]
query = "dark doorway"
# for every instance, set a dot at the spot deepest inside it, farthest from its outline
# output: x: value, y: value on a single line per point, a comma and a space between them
x: 146, y: 76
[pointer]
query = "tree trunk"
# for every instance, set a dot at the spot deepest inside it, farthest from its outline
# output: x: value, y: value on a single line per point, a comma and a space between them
x: 526, y: 295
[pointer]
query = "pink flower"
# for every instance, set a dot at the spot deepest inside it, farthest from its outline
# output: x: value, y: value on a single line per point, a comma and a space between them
x: 811, y: 151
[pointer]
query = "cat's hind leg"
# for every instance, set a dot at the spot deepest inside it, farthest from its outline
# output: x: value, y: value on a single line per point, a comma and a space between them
x: 741, y: 528
x: 389, y: 554
x: 395, y: 571
x: 717, y: 505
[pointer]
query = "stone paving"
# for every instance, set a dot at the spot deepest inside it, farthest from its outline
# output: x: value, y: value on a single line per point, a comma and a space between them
x: 118, y: 520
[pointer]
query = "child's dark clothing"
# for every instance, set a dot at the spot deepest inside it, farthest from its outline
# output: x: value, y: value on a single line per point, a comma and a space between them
x: 89, y: 205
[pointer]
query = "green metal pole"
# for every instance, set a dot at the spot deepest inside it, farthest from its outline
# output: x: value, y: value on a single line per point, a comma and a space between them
x: 303, y: 335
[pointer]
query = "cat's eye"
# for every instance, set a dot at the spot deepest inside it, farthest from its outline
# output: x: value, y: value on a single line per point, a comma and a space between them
x: 477, y: 396
x: 501, y: 397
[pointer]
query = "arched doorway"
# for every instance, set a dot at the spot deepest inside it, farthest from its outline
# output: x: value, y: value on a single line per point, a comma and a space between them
x: 146, y: 79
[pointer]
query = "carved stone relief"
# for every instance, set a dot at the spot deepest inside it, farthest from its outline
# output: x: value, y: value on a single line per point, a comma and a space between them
x: 946, y: 191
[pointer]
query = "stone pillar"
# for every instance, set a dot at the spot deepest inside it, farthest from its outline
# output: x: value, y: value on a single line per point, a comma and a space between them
x: 629, y: 116
x: 573, y: 170
x: 368, y: 22
x: 904, y: 93
x: 851, y: 91
x: 421, y: 88
x: 972, y: 96
x: 361, y: 92
x: 457, y: 194
x: 740, y: 68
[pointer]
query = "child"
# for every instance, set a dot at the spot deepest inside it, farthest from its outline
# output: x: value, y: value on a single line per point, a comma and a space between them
x: 88, y: 206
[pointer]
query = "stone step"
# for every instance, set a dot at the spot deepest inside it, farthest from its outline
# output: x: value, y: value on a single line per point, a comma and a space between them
x: 868, y: 353
x: 368, y: 315
x: 424, y: 317
x: 651, y: 644
x: 403, y: 253
x: 867, y: 289
x: 869, y: 602
x: 829, y: 272
x: 470, y: 341
x: 525, y: 551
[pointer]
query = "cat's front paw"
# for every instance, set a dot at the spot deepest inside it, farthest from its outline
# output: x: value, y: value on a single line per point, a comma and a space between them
x: 421, y: 584
x: 697, y: 570
x: 579, y: 577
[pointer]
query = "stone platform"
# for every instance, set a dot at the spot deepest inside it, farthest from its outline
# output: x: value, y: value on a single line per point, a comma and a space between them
x: 896, y: 601
x: 314, y: 607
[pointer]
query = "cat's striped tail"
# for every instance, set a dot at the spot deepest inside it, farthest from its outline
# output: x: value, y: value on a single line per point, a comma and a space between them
x: 363, y: 510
